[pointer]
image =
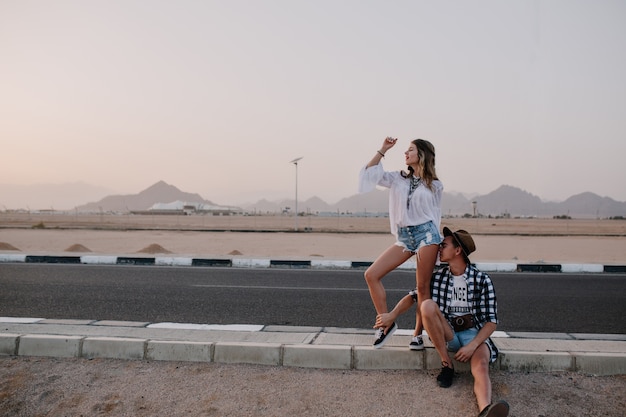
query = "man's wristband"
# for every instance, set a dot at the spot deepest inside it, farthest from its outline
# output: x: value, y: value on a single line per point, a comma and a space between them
x: 381, y: 154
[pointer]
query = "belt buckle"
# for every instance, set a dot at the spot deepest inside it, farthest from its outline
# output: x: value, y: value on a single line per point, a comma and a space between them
x: 460, y: 323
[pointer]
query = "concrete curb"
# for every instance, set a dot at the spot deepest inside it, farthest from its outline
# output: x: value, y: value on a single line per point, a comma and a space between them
x: 328, y: 348
x: 287, y: 263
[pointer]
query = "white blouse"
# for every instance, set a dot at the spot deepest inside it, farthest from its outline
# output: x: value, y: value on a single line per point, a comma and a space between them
x: 424, y: 204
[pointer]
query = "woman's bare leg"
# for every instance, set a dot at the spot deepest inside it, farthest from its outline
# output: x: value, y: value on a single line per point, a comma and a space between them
x: 389, y: 260
x: 426, y: 260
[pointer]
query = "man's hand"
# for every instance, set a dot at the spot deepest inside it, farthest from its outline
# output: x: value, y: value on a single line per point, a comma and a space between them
x: 465, y: 353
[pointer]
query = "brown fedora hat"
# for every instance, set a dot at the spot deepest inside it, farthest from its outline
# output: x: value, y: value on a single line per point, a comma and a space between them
x: 463, y: 239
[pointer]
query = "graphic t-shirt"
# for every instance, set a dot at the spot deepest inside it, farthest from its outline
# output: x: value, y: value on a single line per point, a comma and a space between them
x: 460, y: 303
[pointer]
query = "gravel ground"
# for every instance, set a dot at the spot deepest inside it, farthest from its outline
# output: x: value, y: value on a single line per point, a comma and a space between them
x: 32, y: 386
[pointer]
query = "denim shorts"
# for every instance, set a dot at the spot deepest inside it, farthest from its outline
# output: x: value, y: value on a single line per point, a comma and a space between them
x: 412, y: 238
x: 463, y: 338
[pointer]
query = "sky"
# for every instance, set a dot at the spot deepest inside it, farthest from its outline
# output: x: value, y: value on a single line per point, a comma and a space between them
x: 217, y: 97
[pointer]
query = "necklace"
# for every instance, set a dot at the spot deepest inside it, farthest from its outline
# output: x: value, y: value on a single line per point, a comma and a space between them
x: 413, y: 184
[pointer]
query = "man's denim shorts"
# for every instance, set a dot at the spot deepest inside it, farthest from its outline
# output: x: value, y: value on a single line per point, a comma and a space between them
x: 412, y: 238
x: 462, y: 338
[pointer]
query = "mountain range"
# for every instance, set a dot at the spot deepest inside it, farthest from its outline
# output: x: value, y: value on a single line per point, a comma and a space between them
x: 161, y: 192
x: 504, y: 201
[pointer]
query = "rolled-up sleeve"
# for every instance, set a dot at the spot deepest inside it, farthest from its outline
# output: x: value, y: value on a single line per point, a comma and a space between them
x: 489, y: 304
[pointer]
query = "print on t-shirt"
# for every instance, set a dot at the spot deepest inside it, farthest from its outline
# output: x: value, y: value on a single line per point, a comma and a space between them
x: 460, y: 304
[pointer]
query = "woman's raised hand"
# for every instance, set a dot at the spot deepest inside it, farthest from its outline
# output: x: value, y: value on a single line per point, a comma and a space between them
x: 388, y: 143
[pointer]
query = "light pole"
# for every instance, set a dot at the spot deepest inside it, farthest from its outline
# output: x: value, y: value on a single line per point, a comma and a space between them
x: 295, y: 162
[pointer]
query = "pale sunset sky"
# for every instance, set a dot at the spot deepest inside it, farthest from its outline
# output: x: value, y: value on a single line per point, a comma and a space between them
x: 217, y: 97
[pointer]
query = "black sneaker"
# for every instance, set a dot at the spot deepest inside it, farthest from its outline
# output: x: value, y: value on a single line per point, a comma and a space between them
x: 445, y: 376
x: 497, y: 409
x: 382, y: 337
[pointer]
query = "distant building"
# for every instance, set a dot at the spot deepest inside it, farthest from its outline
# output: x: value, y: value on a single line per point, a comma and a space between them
x: 186, y: 209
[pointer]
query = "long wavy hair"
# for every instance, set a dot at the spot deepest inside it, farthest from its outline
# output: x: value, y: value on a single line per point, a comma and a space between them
x: 426, y: 163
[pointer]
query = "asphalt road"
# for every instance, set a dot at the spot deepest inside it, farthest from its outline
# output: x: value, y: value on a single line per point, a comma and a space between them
x: 536, y: 302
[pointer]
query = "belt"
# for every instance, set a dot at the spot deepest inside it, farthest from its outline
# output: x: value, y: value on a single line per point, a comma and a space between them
x: 460, y: 323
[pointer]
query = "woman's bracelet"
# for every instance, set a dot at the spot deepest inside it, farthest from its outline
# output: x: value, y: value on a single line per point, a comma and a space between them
x: 381, y: 154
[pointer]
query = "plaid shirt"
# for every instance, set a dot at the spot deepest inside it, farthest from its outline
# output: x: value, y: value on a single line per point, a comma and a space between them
x: 482, y: 297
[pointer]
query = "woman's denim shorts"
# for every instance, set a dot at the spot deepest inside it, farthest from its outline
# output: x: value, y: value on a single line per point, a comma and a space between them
x: 412, y: 238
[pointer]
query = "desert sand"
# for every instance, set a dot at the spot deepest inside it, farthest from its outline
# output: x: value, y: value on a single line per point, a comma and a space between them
x: 342, y: 238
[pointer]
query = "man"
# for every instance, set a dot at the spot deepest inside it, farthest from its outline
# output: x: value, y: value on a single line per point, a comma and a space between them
x: 460, y: 317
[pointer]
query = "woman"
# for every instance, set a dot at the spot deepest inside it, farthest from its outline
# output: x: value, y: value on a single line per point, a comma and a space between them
x: 415, y: 217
